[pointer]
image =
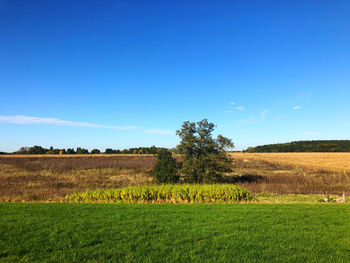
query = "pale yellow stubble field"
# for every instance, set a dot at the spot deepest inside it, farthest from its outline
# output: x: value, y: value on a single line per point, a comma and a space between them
x: 338, y: 162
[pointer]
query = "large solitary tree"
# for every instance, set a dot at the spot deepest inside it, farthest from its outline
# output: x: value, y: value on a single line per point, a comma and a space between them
x: 204, y: 157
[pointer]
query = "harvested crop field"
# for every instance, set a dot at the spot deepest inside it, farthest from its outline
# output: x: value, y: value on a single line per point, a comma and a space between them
x: 336, y: 162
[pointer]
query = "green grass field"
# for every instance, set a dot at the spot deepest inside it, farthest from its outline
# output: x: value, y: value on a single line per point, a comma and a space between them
x: 60, y: 232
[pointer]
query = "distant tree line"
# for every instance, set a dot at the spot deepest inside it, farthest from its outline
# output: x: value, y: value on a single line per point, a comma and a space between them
x: 304, y: 146
x: 139, y: 150
x: 41, y: 150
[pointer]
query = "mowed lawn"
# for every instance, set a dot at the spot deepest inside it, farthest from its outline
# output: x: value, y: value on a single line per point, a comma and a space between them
x: 60, y: 232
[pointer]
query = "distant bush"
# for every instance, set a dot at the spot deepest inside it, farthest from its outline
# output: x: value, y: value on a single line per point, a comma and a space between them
x: 95, y: 151
x: 82, y: 151
x: 71, y: 151
x: 111, y: 151
x: 139, y: 150
x: 52, y: 151
x: 32, y: 150
x: 166, y: 193
x: 166, y: 168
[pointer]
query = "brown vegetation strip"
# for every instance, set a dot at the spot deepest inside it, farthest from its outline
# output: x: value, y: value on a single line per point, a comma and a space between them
x: 74, y: 162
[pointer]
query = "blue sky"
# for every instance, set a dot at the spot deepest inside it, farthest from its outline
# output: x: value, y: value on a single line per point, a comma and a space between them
x: 120, y: 74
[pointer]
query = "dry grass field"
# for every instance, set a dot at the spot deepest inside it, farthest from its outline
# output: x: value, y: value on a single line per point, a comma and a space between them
x: 58, y: 163
x: 52, y: 177
x: 272, y: 176
x: 335, y: 162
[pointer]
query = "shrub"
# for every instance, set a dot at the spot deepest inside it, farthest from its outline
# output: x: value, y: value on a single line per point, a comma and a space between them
x: 82, y: 151
x: 166, y: 168
x: 70, y: 151
x: 166, y: 193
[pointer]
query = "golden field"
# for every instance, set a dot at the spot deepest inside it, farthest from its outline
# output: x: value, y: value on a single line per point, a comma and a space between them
x: 336, y: 162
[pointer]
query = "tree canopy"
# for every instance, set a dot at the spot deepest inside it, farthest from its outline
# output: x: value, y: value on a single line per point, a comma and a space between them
x: 204, y: 157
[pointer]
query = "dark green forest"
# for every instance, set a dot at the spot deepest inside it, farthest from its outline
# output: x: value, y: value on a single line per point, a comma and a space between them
x: 304, y: 146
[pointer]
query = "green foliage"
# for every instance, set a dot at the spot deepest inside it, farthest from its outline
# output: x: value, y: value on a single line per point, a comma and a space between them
x: 70, y: 151
x: 204, y: 158
x: 111, y: 151
x: 82, y: 151
x: 40, y: 150
x: 166, y: 168
x: 206, y: 168
x: 305, y: 146
x: 32, y: 150
x: 139, y: 150
x: 166, y: 193
x: 95, y: 151
x: 52, y: 151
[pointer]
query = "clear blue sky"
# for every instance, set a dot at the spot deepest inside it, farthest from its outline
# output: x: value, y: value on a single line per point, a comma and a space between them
x: 119, y: 74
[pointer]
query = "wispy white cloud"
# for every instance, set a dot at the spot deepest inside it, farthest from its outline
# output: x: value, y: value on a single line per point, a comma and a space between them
x: 158, y: 131
x: 21, y: 119
x: 240, y: 108
x: 264, y: 112
x: 29, y: 120
x: 229, y: 111
x: 232, y: 103
x: 296, y: 107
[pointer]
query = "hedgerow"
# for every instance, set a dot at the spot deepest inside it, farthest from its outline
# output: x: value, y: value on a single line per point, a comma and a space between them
x: 166, y: 193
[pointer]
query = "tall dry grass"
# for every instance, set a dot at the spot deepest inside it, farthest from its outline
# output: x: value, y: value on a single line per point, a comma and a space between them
x: 79, y: 162
x: 46, y: 178
x: 259, y: 175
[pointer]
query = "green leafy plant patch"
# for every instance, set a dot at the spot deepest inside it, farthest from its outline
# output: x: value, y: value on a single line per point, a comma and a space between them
x: 197, y: 193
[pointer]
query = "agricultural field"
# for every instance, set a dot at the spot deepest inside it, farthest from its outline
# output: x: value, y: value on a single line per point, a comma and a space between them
x: 333, y: 162
x: 293, y: 173
x: 52, y: 178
